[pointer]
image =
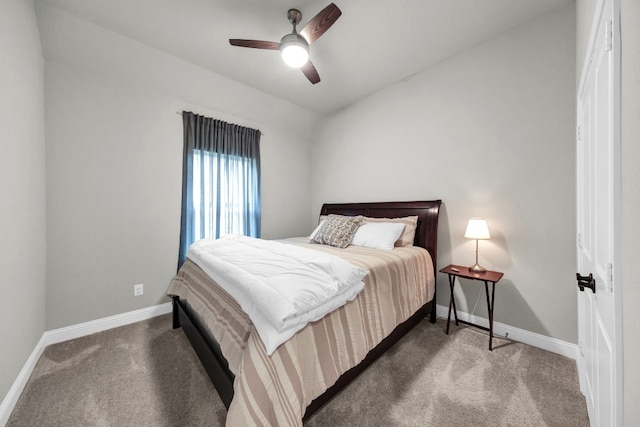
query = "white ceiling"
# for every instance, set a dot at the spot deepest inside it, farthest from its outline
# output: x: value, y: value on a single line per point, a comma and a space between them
x: 373, y: 44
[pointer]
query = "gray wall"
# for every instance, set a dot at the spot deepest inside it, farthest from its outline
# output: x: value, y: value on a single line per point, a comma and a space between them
x: 630, y: 242
x: 630, y: 177
x: 491, y: 132
x: 22, y: 188
x: 114, y: 164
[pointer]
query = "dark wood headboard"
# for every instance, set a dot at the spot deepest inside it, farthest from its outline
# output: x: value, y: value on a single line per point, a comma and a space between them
x: 427, y: 212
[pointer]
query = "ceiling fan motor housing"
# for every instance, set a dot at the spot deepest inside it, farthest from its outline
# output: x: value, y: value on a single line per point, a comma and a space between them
x: 294, y: 16
x: 293, y: 38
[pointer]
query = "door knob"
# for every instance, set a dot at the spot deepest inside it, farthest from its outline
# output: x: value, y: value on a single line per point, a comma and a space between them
x: 586, y: 282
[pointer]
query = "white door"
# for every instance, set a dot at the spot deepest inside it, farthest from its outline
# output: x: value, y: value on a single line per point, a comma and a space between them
x: 599, y: 361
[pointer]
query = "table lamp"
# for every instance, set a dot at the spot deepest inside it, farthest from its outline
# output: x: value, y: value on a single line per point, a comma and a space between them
x: 477, y: 229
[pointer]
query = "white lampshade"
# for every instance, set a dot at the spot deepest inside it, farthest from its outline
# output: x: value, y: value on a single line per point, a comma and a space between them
x: 294, y: 50
x: 477, y: 229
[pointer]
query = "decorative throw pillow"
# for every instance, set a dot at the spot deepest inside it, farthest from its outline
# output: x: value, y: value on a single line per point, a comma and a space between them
x: 337, y: 230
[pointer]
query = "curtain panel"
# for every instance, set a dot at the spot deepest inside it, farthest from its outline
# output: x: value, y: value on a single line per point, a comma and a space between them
x: 220, y: 180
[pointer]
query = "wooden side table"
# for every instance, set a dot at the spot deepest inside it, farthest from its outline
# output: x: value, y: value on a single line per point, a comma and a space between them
x: 487, y: 277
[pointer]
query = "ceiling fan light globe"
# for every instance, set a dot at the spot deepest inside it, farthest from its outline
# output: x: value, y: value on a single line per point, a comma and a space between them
x: 295, y: 56
x: 295, y: 50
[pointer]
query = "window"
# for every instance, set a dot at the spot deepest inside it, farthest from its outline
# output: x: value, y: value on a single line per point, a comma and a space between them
x: 221, y: 181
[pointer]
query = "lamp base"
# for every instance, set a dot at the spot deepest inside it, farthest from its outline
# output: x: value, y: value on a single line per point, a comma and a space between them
x: 477, y: 269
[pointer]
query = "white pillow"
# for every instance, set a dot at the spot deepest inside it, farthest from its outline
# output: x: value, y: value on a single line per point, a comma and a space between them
x: 378, y: 235
x: 410, y: 224
x: 313, y: 234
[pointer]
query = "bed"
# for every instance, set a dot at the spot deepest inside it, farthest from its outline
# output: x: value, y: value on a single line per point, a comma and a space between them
x: 298, y: 381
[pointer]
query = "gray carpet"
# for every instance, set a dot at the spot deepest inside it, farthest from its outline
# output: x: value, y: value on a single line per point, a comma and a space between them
x: 146, y: 374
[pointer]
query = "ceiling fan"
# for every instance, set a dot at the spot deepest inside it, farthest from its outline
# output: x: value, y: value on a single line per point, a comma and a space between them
x: 295, y: 47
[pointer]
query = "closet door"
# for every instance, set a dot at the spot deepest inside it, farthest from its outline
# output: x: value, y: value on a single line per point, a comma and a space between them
x: 597, y: 201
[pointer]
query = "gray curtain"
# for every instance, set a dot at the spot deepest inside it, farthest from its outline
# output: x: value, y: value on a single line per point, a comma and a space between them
x: 220, y: 180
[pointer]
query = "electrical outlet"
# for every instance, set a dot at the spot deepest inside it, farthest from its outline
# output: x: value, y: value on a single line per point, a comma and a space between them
x: 138, y: 290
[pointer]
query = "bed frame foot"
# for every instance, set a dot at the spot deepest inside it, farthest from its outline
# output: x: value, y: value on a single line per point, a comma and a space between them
x: 176, y: 317
x: 432, y: 315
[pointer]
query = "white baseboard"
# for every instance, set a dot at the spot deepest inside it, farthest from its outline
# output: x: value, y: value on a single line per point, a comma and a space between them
x: 68, y: 333
x: 10, y: 400
x: 99, y: 325
x: 553, y: 345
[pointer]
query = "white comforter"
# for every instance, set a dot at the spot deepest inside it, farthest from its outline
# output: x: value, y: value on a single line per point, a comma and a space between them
x: 281, y: 287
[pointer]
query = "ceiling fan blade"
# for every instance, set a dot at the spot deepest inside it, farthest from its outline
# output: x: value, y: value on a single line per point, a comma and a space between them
x: 257, y: 44
x: 310, y: 71
x: 321, y: 23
